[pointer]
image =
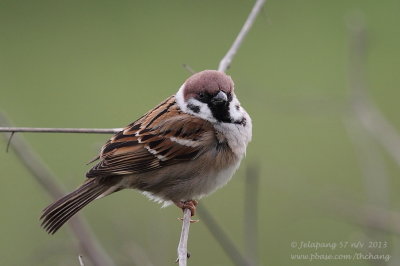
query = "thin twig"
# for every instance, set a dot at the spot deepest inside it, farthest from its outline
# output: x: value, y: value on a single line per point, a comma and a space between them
x: 9, y: 141
x: 182, y: 247
x: 227, y: 59
x: 189, y: 68
x: 80, y: 258
x: 61, y: 130
x: 223, y: 239
x: 87, y: 242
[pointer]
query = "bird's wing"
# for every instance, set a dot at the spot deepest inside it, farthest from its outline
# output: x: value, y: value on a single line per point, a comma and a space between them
x: 162, y: 137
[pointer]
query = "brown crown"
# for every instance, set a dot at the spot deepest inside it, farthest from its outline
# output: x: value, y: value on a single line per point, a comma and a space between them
x: 208, y: 81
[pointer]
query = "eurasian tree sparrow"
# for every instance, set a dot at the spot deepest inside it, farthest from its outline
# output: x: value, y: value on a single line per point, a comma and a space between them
x: 182, y: 150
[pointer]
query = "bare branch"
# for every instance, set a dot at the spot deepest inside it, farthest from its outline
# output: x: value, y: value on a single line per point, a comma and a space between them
x: 227, y: 60
x: 80, y: 258
x: 182, y: 247
x: 61, y: 130
x: 87, y: 242
x: 9, y: 141
x: 189, y: 68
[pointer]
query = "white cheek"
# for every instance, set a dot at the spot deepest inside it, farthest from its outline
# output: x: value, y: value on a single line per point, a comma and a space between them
x: 204, y: 110
x: 235, y: 110
x: 204, y: 113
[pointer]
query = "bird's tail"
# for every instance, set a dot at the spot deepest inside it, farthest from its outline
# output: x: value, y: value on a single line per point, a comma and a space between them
x: 59, y: 212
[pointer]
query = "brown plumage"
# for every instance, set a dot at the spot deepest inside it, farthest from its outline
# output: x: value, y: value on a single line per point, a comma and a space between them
x: 171, y: 153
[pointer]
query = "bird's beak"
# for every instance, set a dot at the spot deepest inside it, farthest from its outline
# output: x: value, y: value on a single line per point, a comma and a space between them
x: 220, y: 98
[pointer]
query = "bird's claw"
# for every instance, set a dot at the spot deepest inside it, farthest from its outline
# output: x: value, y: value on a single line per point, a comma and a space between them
x: 189, y: 204
x: 191, y: 221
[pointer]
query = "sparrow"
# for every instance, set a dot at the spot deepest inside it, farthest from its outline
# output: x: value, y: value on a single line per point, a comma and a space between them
x: 185, y: 148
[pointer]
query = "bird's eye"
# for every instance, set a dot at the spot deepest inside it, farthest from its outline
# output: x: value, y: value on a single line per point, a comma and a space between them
x: 202, y: 95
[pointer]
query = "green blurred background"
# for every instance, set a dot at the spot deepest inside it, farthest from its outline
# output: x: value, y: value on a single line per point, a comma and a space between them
x: 105, y: 63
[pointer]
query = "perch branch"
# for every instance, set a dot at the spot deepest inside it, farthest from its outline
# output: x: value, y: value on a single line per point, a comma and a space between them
x: 80, y: 259
x: 227, y: 59
x: 60, y: 130
x: 182, y: 247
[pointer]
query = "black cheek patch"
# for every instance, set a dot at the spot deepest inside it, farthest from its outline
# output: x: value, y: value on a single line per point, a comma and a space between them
x: 194, y: 108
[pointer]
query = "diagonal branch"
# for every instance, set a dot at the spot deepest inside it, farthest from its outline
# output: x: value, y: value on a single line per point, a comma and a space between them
x: 227, y: 59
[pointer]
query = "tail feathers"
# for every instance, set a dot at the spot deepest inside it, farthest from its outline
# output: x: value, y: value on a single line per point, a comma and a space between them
x: 59, y: 212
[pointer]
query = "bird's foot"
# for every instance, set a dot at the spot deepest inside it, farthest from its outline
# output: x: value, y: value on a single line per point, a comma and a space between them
x: 191, y: 220
x: 189, y: 204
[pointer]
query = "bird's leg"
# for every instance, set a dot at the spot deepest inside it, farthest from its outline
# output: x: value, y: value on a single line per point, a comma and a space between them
x: 189, y: 204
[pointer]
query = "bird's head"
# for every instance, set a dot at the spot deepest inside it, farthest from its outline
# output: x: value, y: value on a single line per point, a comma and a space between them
x: 209, y: 94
